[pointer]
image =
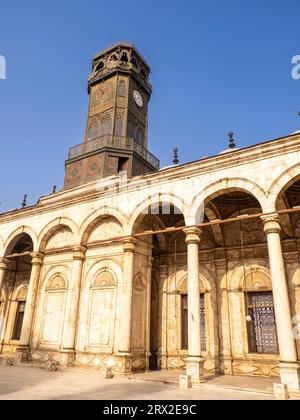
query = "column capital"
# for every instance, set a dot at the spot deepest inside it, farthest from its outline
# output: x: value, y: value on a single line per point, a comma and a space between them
x: 4, y: 264
x: 271, y: 223
x: 129, y: 244
x: 192, y: 235
x: 37, y: 258
x: 79, y: 252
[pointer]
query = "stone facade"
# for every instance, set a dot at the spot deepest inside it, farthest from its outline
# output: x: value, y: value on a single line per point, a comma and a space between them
x: 104, y: 268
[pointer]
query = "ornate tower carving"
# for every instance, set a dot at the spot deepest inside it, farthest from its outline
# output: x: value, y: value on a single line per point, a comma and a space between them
x: 117, y: 122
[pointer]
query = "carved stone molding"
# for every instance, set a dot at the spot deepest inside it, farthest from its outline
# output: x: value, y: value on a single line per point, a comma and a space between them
x: 79, y: 252
x: 129, y: 244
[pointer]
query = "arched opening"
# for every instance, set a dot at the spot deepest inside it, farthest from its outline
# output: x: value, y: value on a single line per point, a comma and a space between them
x: 152, y: 297
x: 247, y: 326
x: 15, y: 284
x: 289, y: 199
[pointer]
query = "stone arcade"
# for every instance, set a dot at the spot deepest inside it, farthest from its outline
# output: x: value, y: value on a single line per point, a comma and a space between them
x: 132, y: 268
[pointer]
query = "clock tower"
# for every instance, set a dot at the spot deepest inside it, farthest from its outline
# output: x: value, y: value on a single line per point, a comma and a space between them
x: 116, y: 135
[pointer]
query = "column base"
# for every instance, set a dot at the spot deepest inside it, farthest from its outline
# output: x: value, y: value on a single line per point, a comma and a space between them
x: 22, y: 354
x: 226, y: 366
x: 162, y: 359
x: 290, y: 375
x: 123, y: 364
x: 195, y: 369
x: 148, y: 355
x: 67, y: 357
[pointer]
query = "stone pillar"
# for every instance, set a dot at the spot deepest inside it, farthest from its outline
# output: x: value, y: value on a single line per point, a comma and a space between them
x: 70, y: 324
x: 289, y: 368
x: 124, y: 353
x: 22, y: 354
x: 148, y: 312
x: 162, y: 331
x: 194, y: 363
x: 4, y: 264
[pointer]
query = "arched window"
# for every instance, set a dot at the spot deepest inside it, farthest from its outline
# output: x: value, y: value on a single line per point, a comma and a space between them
x: 54, y: 311
x: 93, y: 131
x: 2, y: 314
x: 102, y: 311
x: 20, y: 310
x: 261, y: 326
x: 138, y: 334
x: 122, y: 88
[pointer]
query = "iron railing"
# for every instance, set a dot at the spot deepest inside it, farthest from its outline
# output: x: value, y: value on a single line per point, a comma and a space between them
x: 117, y: 142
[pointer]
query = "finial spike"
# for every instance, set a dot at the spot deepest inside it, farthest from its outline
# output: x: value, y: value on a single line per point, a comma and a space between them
x: 231, y: 144
x: 54, y: 189
x: 175, y: 156
x: 24, y: 203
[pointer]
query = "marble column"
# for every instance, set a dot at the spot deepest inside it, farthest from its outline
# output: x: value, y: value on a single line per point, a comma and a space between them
x: 72, y: 307
x: 194, y: 363
x: 124, y: 351
x: 289, y: 368
x: 4, y: 266
x: 148, y: 312
x: 22, y: 354
x: 162, y: 321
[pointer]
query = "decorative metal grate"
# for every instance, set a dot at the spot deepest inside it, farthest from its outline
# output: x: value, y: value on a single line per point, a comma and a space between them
x: 262, y: 327
x: 108, y: 140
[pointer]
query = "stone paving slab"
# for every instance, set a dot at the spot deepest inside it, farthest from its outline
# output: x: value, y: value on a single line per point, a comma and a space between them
x: 242, y: 383
x: 17, y: 382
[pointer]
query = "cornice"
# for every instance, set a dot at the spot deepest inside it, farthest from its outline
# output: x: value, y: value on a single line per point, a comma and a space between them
x: 87, y: 193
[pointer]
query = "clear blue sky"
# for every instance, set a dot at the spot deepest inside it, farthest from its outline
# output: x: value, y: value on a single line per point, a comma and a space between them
x: 216, y: 66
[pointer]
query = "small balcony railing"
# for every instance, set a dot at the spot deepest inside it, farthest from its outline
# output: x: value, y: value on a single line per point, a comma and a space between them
x: 117, y: 142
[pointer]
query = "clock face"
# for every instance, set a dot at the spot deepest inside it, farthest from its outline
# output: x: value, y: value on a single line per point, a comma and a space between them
x: 138, y: 98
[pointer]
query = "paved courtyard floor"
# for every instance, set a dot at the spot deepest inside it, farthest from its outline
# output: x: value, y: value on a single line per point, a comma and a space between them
x: 24, y: 383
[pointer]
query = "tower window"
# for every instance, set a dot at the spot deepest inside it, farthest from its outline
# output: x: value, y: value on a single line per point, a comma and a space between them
x: 124, y: 57
x: 262, y: 335
x: 99, y: 66
x: 122, y: 164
